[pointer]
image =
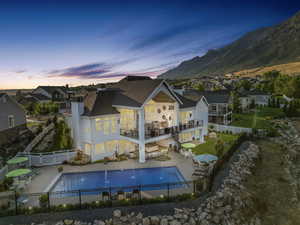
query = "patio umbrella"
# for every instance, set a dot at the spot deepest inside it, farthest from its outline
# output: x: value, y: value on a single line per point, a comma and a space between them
x: 18, y: 173
x: 188, y: 145
x: 206, y: 158
x: 17, y: 160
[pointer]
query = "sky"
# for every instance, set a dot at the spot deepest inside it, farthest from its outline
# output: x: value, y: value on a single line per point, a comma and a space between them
x: 88, y: 42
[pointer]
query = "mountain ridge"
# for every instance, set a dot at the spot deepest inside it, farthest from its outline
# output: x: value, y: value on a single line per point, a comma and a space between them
x: 266, y: 46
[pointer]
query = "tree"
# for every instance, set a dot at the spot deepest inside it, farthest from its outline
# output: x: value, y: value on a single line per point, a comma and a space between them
x: 236, y: 103
x: 252, y: 104
x: 199, y: 87
x: 277, y: 102
x: 219, y: 148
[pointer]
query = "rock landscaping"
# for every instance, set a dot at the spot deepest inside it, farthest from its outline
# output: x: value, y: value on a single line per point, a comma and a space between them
x: 223, y: 207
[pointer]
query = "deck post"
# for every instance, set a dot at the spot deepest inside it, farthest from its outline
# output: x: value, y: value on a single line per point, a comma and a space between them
x: 79, y: 194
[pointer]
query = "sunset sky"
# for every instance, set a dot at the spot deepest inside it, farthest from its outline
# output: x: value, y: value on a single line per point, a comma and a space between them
x: 83, y: 42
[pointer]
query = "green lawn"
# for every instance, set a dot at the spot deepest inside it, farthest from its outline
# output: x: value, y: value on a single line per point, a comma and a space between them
x: 261, y: 119
x: 209, y: 145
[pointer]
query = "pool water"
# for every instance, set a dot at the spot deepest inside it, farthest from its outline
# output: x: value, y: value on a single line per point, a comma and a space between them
x: 158, y: 177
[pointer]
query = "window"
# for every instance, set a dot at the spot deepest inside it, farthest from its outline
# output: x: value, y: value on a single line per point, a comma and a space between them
x: 99, y: 148
x: 171, y: 107
x: 106, y: 127
x: 11, y: 121
x: 113, y: 126
x: 99, y: 124
x: 87, y: 149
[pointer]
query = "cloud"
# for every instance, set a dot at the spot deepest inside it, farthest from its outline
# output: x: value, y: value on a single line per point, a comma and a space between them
x: 164, y: 36
x: 90, y: 71
x: 20, y: 71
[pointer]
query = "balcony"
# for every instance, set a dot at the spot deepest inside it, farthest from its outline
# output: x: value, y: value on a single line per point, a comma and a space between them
x: 151, y: 132
x: 156, y: 132
x: 130, y: 133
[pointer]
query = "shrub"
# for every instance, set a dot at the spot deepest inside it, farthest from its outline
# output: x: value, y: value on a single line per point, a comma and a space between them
x: 60, y: 169
x: 43, y: 200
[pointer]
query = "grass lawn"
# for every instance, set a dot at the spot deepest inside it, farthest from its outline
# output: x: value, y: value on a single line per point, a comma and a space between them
x: 261, y: 119
x: 209, y: 145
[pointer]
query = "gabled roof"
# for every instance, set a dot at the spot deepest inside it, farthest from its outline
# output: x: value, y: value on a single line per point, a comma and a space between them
x: 39, y: 97
x: 187, y: 103
x: 212, y: 97
x: 99, y: 103
x: 52, y: 89
x: 136, y: 92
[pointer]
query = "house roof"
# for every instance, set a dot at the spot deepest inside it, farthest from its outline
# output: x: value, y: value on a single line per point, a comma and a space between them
x: 99, y: 103
x: 52, y: 89
x: 129, y: 92
x: 222, y: 96
x: 187, y: 103
x: 136, y: 92
x: 255, y: 92
x: 39, y: 97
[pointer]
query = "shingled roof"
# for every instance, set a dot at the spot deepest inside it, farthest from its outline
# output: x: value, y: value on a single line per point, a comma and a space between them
x: 187, y: 103
x: 136, y: 92
x: 212, y: 97
x: 52, y: 89
x: 99, y: 103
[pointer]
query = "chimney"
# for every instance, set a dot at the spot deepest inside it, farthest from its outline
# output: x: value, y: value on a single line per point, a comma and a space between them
x: 77, y: 107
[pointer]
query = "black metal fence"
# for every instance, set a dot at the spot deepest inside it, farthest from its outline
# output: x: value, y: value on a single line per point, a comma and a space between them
x: 14, y: 203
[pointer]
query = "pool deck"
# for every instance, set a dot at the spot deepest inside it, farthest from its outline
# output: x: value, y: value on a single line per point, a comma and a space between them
x: 49, y: 174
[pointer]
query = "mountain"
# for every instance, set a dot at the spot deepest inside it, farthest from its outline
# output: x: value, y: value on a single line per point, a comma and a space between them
x: 263, y: 47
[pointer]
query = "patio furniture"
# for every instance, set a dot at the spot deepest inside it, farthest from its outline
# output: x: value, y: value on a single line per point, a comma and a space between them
x: 22, y: 200
x: 18, y: 172
x: 17, y: 160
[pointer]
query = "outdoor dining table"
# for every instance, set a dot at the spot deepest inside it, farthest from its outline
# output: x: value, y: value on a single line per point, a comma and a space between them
x: 17, y: 160
x: 18, y: 173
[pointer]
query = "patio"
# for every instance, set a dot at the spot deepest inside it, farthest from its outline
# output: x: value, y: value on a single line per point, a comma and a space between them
x: 48, y: 175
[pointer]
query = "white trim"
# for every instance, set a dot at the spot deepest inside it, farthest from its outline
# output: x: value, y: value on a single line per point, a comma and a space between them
x: 156, y: 89
x: 126, y: 107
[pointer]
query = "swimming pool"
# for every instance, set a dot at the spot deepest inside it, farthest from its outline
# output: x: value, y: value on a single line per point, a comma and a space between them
x: 149, y: 178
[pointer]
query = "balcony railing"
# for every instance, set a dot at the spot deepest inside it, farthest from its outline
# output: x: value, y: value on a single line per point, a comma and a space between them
x: 134, y: 133
x: 156, y: 132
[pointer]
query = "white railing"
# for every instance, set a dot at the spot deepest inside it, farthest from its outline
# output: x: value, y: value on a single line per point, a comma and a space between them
x: 49, y: 158
x: 38, y: 138
x: 3, y: 172
x: 233, y: 129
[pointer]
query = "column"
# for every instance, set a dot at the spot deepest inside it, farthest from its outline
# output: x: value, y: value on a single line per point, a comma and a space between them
x: 141, y: 124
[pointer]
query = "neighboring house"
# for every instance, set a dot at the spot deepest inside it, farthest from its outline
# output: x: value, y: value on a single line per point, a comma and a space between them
x: 33, y: 98
x: 55, y: 93
x: 259, y: 97
x: 219, y: 102
x: 137, y: 116
x: 12, y: 118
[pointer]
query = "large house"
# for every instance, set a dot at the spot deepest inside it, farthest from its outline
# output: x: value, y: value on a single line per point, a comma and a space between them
x: 219, y: 104
x: 55, y: 93
x: 138, y: 116
x: 12, y: 118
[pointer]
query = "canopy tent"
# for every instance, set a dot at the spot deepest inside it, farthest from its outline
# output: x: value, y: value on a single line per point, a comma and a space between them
x: 188, y: 145
x: 17, y: 160
x: 206, y: 158
x: 18, y: 173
